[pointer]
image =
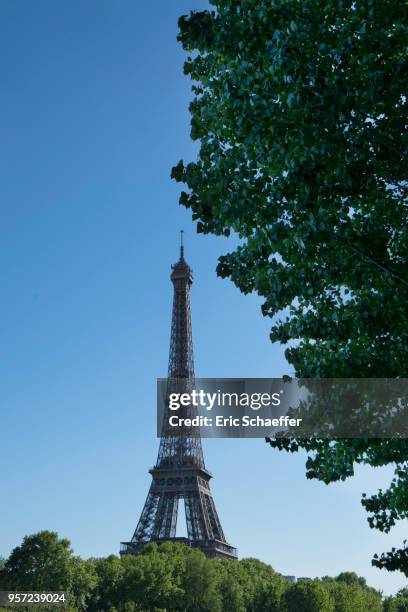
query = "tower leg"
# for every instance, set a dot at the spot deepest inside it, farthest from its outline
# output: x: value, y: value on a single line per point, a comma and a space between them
x: 166, y: 517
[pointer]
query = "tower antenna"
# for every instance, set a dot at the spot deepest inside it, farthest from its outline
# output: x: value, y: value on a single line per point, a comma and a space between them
x: 181, y: 244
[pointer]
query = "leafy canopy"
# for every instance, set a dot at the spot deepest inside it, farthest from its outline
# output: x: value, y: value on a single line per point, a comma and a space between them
x: 174, y: 577
x: 44, y: 562
x: 300, y: 108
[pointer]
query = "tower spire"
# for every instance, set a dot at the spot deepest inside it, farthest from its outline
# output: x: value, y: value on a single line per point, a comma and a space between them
x: 180, y: 472
x: 181, y: 244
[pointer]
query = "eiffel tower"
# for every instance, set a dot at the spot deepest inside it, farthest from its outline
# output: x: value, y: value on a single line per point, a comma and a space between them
x: 180, y: 472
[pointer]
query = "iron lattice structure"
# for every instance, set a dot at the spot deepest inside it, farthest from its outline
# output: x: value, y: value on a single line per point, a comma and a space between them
x: 180, y: 472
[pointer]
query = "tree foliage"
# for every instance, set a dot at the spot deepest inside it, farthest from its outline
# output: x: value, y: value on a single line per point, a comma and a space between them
x: 173, y: 577
x: 399, y: 603
x: 300, y: 108
x: 309, y: 595
x: 350, y: 593
x: 43, y: 562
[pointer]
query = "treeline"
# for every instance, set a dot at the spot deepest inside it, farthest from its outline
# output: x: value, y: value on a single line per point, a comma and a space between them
x: 174, y: 577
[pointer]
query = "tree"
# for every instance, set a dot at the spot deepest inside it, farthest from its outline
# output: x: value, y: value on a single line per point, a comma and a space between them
x: 152, y: 579
x: 109, y: 574
x: 399, y: 603
x: 43, y: 562
x: 350, y: 593
x: 232, y: 595
x: 301, y: 112
x: 3, y: 585
x: 249, y: 585
x: 200, y: 585
x: 308, y: 596
x: 173, y: 577
x: 266, y: 587
x: 351, y: 578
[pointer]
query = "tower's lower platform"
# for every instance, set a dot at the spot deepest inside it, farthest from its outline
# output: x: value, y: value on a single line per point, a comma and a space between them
x: 171, y: 484
x: 211, y: 548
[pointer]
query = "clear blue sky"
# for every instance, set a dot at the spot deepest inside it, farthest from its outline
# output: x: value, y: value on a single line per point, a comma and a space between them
x: 93, y: 116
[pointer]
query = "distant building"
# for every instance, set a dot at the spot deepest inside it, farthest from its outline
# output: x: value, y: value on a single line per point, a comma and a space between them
x: 294, y: 580
x: 291, y: 579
